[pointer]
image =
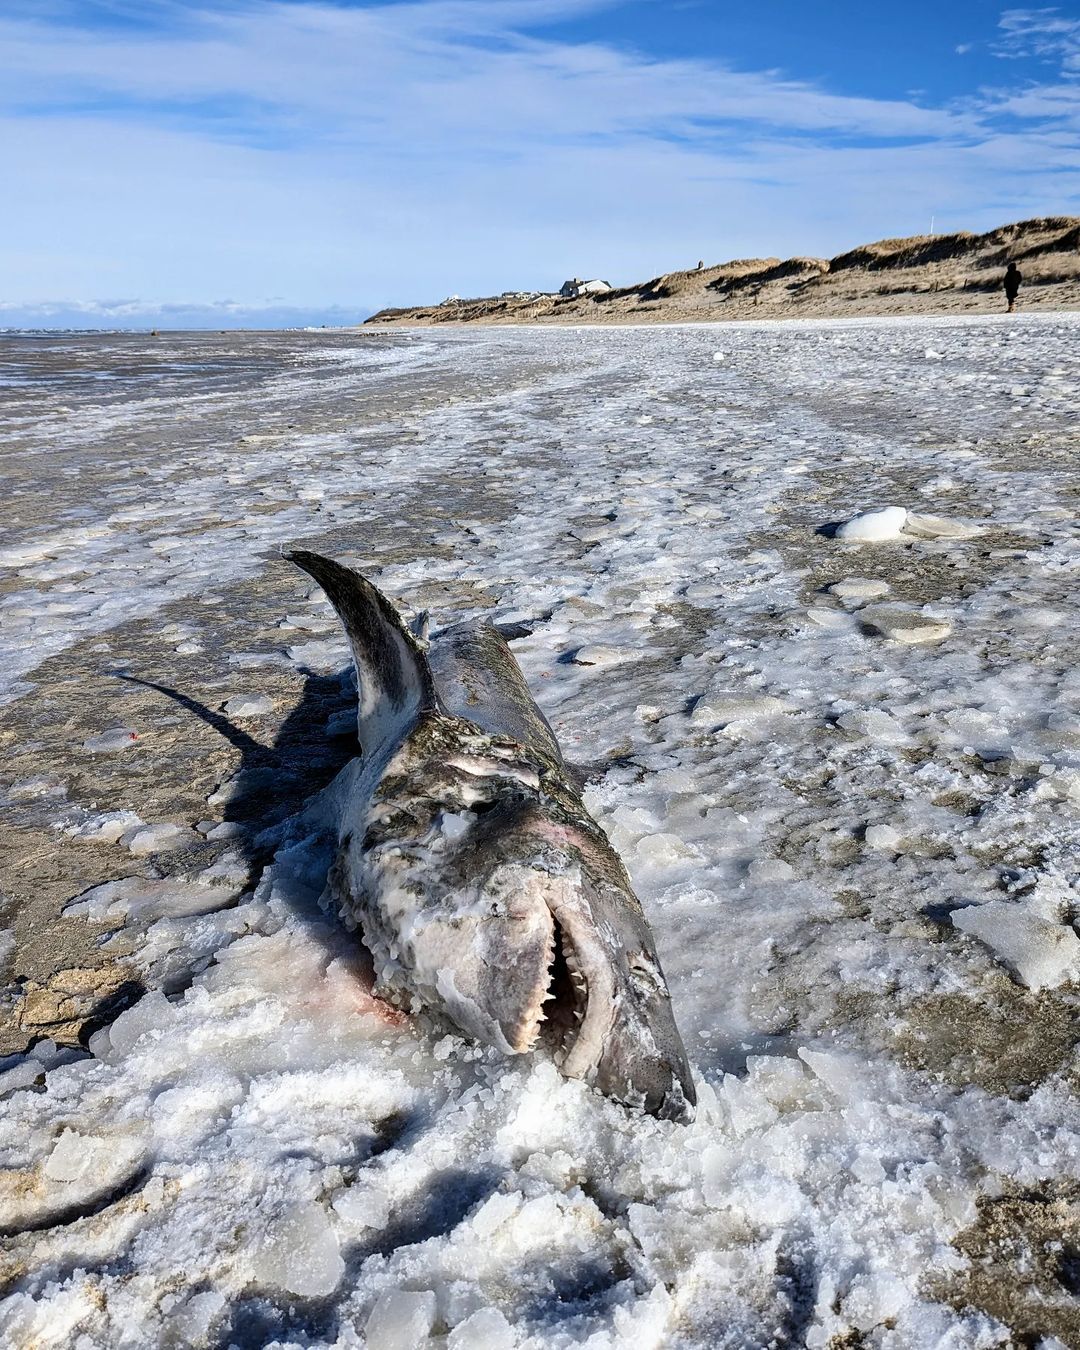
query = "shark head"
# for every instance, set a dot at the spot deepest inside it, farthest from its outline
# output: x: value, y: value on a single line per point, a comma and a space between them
x: 514, y: 917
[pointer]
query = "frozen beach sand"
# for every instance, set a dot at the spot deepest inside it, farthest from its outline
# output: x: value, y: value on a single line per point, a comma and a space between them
x: 808, y: 803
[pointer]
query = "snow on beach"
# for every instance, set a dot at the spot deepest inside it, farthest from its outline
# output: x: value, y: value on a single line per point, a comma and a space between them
x: 807, y: 613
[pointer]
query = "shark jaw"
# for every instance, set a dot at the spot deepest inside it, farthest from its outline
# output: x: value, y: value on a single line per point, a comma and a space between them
x: 571, y: 1007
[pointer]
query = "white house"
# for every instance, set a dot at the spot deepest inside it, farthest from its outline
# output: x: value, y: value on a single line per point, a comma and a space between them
x: 571, y: 290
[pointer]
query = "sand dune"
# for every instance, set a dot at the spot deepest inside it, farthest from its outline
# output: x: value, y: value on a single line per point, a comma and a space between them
x: 923, y: 274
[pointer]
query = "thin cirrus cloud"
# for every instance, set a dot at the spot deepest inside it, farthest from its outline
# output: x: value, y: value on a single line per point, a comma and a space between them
x: 1045, y: 33
x: 342, y: 157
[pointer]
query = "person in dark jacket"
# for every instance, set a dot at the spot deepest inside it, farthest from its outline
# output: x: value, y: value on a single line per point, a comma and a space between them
x: 1012, y: 285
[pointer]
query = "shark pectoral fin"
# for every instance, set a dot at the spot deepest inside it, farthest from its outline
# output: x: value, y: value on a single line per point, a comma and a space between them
x: 394, y: 679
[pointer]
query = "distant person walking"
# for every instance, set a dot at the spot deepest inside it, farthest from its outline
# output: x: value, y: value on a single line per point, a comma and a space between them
x: 1012, y: 285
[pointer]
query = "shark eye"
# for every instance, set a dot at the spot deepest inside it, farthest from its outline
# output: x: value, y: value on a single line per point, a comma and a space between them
x: 646, y: 974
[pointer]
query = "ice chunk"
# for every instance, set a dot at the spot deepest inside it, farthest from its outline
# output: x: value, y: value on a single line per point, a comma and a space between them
x: 248, y: 783
x: 119, y: 738
x: 107, y: 827
x: 720, y: 709
x: 873, y: 526
x: 665, y: 850
x: 858, y: 589
x: 875, y: 723
x: 937, y: 527
x: 883, y: 837
x: 145, y: 839
x: 1055, y: 781
x: 400, y: 1320
x: 229, y: 870
x: 248, y: 705
x: 494, y: 1212
x: 843, y: 1074
x: 770, y: 869
x: 596, y: 534
x: 148, y: 900
x: 301, y: 1253
x: 748, y: 1107
x: 486, y: 1329
x: 919, y: 631
x: 152, y: 1017
x: 597, y: 654
x: 644, y: 1323
x: 189, y: 1323
x: 71, y: 1156
x: 21, y: 1075
x: 1041, y: 954
x: 905, y: 625
x: 94, y: 1160
x: 828, y: 618
x: 310, y: 623
x: 363, y: 1207
x: 320, y: 656
x: 253, y: 660
x: 782, y: 1080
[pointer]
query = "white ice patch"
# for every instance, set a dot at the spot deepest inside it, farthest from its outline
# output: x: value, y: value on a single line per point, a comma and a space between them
x: 300, y: 1253
x: 108, y: 742
x: 905, y: 625
x: 248, y: 705
x: 106, y: 827
x: 1040, y: 953
x: 937, y: 527
x: 400, y: 1320
x: 143, y: 840
x: 871, y: 527
x: 857, y: 590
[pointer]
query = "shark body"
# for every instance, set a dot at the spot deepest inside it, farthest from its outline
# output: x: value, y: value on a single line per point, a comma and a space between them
x: 479, y: 882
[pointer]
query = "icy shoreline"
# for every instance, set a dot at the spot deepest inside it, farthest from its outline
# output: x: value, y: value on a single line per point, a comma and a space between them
x: 856, y: 846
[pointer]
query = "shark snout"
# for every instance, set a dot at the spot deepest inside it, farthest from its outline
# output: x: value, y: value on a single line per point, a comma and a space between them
x: 623, y: 1039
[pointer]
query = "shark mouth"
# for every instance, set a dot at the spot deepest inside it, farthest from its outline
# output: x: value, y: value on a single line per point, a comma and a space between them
x: 578, y: 1007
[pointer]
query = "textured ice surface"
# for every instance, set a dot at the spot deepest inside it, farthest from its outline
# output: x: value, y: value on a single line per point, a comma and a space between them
x: 857, y: 853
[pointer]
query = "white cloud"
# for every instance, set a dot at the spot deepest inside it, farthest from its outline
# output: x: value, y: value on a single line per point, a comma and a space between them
x: 1045, y: 33
x: 363, y: 156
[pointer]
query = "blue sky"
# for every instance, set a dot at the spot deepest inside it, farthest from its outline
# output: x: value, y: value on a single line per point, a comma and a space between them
x: 231, y: 162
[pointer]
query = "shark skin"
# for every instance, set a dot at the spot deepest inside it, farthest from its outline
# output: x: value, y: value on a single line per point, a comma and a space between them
x: 479, y: 883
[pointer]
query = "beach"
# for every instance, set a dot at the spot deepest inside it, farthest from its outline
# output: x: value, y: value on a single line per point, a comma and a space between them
x: 843, y: 776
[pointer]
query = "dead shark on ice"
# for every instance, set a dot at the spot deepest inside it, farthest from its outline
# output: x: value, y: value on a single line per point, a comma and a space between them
x: 480, y: 884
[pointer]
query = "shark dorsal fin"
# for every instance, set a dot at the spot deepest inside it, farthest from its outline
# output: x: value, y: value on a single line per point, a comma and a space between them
x: 395, y: 684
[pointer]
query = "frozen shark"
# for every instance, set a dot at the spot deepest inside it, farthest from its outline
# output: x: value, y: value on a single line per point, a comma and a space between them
x: 479, y: 883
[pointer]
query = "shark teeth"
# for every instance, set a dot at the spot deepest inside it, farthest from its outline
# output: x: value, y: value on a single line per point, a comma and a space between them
x: 534, y: 1016
x: 567, y: 996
